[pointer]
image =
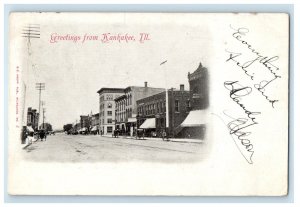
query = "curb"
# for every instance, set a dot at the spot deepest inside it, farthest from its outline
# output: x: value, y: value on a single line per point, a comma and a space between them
x: 157, y: 139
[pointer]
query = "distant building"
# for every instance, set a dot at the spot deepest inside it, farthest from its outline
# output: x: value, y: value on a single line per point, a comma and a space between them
x: 84, y: 121
x: 95, y: 119
x: 107, y: 108
x: 32, y: 118
x: 95, y: 122
x: 152, y: 111
x: 120, y: 113
x: 126, y: 106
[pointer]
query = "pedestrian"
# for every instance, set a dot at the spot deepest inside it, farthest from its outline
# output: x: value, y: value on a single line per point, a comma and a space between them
x: 42, y: 134
x: 164, y: 134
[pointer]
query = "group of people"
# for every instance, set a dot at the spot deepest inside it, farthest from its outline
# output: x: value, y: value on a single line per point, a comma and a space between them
x: 31, y: 135
x: 116, y: 133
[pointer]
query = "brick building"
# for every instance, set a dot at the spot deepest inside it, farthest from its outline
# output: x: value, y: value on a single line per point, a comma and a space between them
x: 198, y: 81
x: 152, y: 111
x: 194, y: 125
x: 84, y: 121
x: 32, y: 118
x: 95, y: 122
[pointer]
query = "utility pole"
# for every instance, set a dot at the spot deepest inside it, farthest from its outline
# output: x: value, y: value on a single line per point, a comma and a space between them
x: 44, y: 110
x: 40, y: 87
x: 29, y: 31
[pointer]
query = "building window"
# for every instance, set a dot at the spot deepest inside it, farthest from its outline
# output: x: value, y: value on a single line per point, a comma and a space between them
x: 109, y: 96
x: 109, y: 129
x: 109, y: 105
x: 162, y: 122
x: 109, y: 120
x: 176, y: 105
x: 188, y: 105
x: 109, y: 113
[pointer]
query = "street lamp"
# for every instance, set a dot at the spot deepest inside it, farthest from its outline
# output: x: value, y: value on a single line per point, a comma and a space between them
x: 167, y: 96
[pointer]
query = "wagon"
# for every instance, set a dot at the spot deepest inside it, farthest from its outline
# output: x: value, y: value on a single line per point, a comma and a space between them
x: 140, y: 134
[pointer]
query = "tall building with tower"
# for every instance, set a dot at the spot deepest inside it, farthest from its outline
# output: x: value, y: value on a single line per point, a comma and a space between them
x: 198, y: 81
x: 107, y: 108
x: 194, y: 125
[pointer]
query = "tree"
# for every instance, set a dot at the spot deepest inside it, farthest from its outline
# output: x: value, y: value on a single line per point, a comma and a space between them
x: 67, y: 127
x: 46, y: 126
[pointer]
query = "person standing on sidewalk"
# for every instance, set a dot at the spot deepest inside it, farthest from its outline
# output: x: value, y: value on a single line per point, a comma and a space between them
x: 164, y: 135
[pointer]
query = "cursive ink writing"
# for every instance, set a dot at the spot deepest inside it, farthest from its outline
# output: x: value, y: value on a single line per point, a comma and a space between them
x: 265, y: 61
x: 243, y: 66
x: 261, y: 88
x: 238, y: 91
x: 237, y: 125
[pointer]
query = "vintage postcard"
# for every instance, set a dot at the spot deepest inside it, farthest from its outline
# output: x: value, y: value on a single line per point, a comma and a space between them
x: 170, y: 104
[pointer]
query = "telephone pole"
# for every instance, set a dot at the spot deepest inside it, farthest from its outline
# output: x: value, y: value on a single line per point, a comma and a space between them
x: 40, y: 87
x: 44, y: 110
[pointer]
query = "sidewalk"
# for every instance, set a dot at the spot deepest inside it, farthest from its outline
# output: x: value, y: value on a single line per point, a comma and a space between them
x: 184, y: 140
x: 29, y: 141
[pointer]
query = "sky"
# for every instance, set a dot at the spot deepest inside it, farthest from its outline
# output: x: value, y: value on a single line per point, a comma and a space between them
x: 73, y: 72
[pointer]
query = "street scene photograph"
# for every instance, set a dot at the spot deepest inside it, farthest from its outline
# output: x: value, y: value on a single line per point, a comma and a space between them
x: 114, y: 96
x: 148, y: 104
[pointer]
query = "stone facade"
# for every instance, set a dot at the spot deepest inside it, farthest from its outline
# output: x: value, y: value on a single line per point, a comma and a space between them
x: 107, y: 108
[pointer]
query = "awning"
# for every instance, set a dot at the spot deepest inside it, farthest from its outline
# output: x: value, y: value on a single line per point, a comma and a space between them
x: 95, y: 128
x: 195, y: 118
x: 148, y: 124
x: 29, y: 128
x: 131, y: 120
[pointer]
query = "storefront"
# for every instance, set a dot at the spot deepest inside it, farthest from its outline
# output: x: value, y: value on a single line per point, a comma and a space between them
x: 149, y: 126
x: 194, y: 125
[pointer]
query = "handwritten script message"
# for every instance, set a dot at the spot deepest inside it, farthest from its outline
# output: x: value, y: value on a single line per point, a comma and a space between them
x: 103, y: 38
x: 262, y: 72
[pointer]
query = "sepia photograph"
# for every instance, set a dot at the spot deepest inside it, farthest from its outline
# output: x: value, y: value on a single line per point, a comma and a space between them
x: 105, y: 103
x: 154, y: 103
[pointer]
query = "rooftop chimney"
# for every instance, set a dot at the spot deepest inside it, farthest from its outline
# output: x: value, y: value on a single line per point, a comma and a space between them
x: 181, y: 87
x: 146, y: 84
